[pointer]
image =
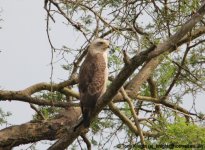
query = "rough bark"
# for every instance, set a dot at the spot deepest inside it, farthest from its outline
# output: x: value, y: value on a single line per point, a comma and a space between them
x: 39, y: 130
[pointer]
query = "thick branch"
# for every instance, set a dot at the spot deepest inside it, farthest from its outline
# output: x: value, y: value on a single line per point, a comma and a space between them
x: 36, y: 131
x: 47, y: 86
x: 143, y: 74
x: 24, y: 95
x: 171, y: 43
x: 20, y: 96
x: 151, y: 65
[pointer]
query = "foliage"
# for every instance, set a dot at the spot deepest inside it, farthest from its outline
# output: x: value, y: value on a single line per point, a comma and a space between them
x: 182, y: 133
x: 3, y: 116
x: 49, y: 112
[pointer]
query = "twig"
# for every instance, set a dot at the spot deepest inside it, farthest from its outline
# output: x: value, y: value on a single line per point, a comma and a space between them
x: 38, y: 112
x: 76, y: 25
x: 178, y: 73
x: 49, y: 39
x: 127, y: 98
x: 180, y: 66
x: 79, y: 143
x: 126, y: 58
x: 127, y: 121
x: 87, y: 142
x: 154, y: 94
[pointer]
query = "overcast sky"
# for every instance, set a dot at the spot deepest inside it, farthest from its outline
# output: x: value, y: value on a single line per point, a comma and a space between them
x: 26, y: 55
x: 25, y: 52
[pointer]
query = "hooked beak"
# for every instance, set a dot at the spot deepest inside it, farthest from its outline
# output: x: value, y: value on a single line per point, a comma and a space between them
x: 107, y: 43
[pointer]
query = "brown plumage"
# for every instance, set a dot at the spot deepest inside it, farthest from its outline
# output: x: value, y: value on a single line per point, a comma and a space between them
x: 93, y: 77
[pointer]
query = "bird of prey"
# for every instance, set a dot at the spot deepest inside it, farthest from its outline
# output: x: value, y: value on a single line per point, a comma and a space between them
x: 93, y: 76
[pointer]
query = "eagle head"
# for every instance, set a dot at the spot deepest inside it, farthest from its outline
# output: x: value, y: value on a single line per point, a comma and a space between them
x: 98, y: 46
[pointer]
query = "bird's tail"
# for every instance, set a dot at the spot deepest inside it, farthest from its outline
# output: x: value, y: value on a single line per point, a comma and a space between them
x: 86, y: 117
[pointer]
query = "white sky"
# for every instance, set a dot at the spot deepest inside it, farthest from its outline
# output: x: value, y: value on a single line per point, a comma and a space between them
x: 26, y: 55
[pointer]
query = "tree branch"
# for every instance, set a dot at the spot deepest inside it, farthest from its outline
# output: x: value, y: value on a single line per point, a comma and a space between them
x: 24, y: 95
x: 20, y: 96
x: 151, y: 65
x: 129, y: 101
x: 36, y: 131
x: 47, y: 86
x: 85, y: 139
x: 127, y: 121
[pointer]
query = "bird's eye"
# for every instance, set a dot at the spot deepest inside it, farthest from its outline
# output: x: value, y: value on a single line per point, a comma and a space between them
x: 100, y: 43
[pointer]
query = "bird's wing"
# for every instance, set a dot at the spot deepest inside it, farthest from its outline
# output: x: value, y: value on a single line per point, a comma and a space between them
x: 92, y: 79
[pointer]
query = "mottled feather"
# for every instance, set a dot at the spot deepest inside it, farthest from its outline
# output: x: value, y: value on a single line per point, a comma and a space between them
x: 91, y: 84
